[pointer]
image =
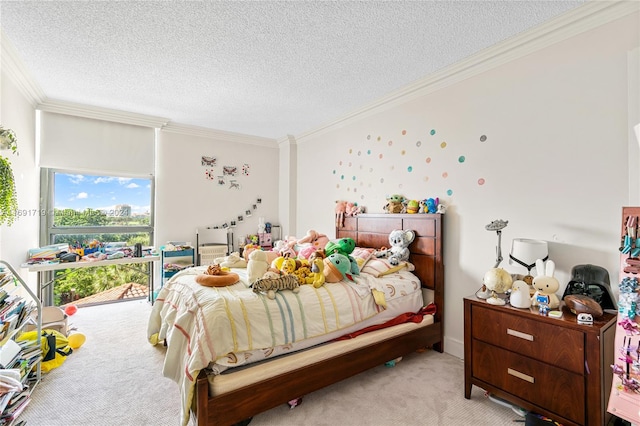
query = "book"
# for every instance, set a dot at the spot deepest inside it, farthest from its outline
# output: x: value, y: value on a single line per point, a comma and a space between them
x: 9, y: 353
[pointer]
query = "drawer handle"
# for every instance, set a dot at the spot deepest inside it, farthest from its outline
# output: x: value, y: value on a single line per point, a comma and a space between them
x: 520, y: 375
x: 519, y: 334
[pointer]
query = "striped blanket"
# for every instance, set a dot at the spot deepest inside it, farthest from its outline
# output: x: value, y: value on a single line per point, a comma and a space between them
x: 203, y: 324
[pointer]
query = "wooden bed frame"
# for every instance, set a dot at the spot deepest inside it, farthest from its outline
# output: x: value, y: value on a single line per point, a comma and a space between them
x: 368, y: 230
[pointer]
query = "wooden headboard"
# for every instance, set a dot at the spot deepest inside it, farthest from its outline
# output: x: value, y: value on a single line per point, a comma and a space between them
x: 372, y: 230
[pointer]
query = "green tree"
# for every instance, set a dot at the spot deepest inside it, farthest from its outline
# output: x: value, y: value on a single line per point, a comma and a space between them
x: 88, y: 217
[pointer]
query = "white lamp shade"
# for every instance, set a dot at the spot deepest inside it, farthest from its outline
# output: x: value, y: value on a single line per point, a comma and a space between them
x: 525, y: 252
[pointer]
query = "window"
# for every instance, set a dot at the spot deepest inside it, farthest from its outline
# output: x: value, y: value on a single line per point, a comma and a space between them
x: 85, y: 210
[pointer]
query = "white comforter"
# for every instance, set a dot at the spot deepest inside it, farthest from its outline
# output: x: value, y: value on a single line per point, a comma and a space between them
x: 204, y: 324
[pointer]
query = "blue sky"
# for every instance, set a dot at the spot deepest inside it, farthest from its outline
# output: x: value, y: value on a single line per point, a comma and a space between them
x: 79, y: 192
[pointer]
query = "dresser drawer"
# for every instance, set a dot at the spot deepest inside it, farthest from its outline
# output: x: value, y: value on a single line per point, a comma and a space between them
x: 556, y: 389
x: 560, y: 346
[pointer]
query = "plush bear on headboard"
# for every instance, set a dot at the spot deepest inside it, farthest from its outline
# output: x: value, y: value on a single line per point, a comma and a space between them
x: 399, y: 241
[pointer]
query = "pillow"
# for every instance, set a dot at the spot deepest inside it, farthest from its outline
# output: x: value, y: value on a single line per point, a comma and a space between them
x: 362, y: 256
x: 380, y: 267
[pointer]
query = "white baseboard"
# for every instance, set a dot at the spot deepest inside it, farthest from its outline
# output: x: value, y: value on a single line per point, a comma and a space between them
x: 454, y: 347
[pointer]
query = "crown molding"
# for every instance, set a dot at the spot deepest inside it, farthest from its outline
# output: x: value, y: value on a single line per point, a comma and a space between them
x: 219, y: 135
x: 286, y: 141
x: 15, y: 69
x: 589, y: 16
x: 98, y: 113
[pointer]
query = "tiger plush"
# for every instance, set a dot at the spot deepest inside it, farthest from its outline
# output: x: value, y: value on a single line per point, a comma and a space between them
x: 270, y: 283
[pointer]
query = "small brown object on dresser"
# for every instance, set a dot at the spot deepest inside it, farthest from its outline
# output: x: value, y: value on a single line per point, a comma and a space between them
x: 550, y: 366
x: 581, y: 304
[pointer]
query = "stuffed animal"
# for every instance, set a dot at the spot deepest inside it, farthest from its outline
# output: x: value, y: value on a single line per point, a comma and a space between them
x: 310, y: 243
x: 546, y: 286
x: 232, y: 261
x: 316, y: 277
x: 399, y: 241
x: 344, y: 246
x: 413, y: 206
x: 395, y: 204
x: 353, y: 209
x: 432, y: 205
x: 337, y: 267
x: 272, y: 282
x: 257, y: 265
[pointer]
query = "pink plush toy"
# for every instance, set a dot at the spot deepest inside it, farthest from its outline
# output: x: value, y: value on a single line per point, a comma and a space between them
x: 315, y: 239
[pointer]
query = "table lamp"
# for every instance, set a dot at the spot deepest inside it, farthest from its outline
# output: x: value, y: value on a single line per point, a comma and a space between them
x: 525, y: 252
x: 496, y: 225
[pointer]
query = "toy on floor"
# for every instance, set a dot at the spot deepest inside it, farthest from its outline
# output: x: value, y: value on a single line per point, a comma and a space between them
x: 294, y: 402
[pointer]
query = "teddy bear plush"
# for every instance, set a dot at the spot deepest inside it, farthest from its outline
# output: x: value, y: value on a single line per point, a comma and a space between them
x: 399, y: 241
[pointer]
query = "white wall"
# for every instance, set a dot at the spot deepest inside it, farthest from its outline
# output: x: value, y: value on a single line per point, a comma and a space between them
x: 18, y: 114
x: 554, y: 163
x: 186, y: 199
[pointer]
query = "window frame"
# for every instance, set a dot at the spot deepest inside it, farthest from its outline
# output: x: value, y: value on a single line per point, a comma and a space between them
x: 47, y: 190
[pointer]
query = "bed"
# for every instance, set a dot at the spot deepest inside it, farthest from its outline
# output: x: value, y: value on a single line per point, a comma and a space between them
x: 237, y: 382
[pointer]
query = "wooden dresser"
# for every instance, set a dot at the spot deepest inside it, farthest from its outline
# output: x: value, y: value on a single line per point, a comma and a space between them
x: 550, y: 366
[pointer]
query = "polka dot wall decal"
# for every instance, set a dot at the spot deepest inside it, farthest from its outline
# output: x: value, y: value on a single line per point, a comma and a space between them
x: 359, y: 153
x: 337, y: 185
x: 481, y: 181
x: 449, y: 192
x: 379, y: 138
x: 340, y: 163
x: 381, y: 180
x: 368, y: 137
x: 426, y: 178
x: 443, y: 145
x: 403, y: 152
x: 362, y: 197
x: 334, y: 172
x: 432, y: 132
x: 380, y: 156
x: 418, y: 144
x: 409, y: 169
x: 353, y: 178
x: 355, y: 189
x: 370, y: 169
x: 350, y: 151
x: 404, y: 132
x: 368, y: 152
x: 390, y: 143
x: 349, y: 163
x: 461, y: 159
x: 399, y: 186
x: 428, y: 160
x: 483, y: 138
x: 445, y: 175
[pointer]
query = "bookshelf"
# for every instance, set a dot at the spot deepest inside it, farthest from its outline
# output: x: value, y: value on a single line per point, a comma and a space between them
x: 20, y: 362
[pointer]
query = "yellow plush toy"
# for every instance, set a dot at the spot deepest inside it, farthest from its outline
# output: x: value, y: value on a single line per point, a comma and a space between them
x: 316, y: 277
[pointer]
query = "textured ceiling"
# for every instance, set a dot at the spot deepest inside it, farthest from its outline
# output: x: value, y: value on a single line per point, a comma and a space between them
x: 259, y: 68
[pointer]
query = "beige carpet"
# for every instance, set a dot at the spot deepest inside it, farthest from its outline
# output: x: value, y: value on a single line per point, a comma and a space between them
x: 115, y: 379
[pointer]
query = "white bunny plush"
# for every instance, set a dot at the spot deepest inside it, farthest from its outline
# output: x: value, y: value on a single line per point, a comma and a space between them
x: 546, y: 285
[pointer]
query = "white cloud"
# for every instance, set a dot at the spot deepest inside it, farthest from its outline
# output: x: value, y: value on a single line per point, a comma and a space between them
x: 76, y: 179
x: 133, y: 185
x: 82, y: 195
